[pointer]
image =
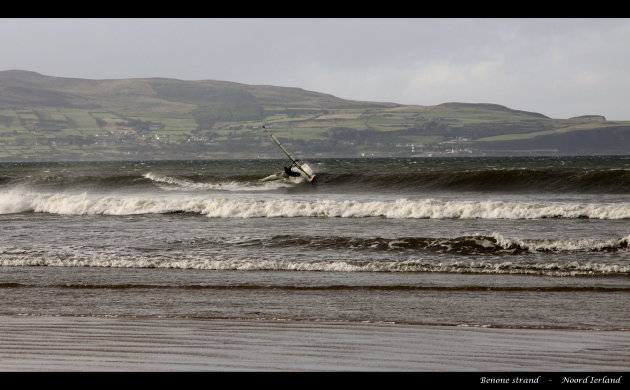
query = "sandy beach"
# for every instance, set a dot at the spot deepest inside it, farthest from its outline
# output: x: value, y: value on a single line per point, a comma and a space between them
x: 39, y: 343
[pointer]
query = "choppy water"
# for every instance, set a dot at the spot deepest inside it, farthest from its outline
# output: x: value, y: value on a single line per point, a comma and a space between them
x: 504, y: 242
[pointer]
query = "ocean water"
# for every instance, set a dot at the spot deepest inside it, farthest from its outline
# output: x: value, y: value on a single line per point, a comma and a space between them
x: 539, y: 242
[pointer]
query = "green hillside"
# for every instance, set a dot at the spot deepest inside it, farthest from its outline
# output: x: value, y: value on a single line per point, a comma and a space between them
x: 53, y: 118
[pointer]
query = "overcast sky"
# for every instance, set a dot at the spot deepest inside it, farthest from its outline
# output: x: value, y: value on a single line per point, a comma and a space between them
x: 557, y: 67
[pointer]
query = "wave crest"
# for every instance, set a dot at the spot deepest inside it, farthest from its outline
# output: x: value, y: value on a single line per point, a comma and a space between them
x: 558, y: 269
x: 179, y: 184
x: 17, y: 201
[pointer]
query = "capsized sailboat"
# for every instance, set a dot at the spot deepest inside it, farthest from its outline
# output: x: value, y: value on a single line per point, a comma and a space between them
x: 309, y: 177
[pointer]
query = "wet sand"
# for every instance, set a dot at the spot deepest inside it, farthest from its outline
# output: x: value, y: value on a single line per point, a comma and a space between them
x: 136, y: 344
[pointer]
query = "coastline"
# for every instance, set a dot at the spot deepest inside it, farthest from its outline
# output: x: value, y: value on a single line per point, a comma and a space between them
x: 49, y: 343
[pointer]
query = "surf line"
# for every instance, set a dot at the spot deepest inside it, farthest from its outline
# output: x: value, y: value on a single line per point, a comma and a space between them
x: 310, y: 178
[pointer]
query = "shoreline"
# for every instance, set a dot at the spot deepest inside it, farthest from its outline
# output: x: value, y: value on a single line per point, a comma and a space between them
x: 49, y: 343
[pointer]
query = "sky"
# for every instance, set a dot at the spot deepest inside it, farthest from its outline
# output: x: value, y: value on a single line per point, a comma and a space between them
x: 557, y: 67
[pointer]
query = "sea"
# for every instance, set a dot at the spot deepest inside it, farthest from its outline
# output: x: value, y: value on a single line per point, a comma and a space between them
x: 493, y: 242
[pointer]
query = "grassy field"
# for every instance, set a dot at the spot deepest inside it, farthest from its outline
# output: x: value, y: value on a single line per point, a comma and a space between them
x: 29, y: 133
x: 45, y: 117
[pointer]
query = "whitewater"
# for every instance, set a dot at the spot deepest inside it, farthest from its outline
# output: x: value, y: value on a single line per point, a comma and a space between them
x: 18, y: 201
x: 524, y: 243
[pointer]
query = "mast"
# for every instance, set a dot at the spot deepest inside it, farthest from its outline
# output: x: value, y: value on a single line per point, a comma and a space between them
x: 310, y: 178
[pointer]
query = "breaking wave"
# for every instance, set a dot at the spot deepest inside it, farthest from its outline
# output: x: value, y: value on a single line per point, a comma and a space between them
x: 495, y: 244
x: 479, y: 254
x: 169, y: 183
x: 503, y: 267
x: 19, y: 201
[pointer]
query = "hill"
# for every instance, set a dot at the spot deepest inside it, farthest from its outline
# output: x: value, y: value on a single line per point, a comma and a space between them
x: 52, y: 118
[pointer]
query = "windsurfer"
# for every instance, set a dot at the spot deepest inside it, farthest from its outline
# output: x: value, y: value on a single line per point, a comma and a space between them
x: 289, y: 172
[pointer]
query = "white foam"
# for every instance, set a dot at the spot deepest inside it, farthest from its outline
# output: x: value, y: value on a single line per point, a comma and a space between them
x: 226, y: 264
x: 568, y: 245
x: 16, y: 201
x: 173, y: 184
